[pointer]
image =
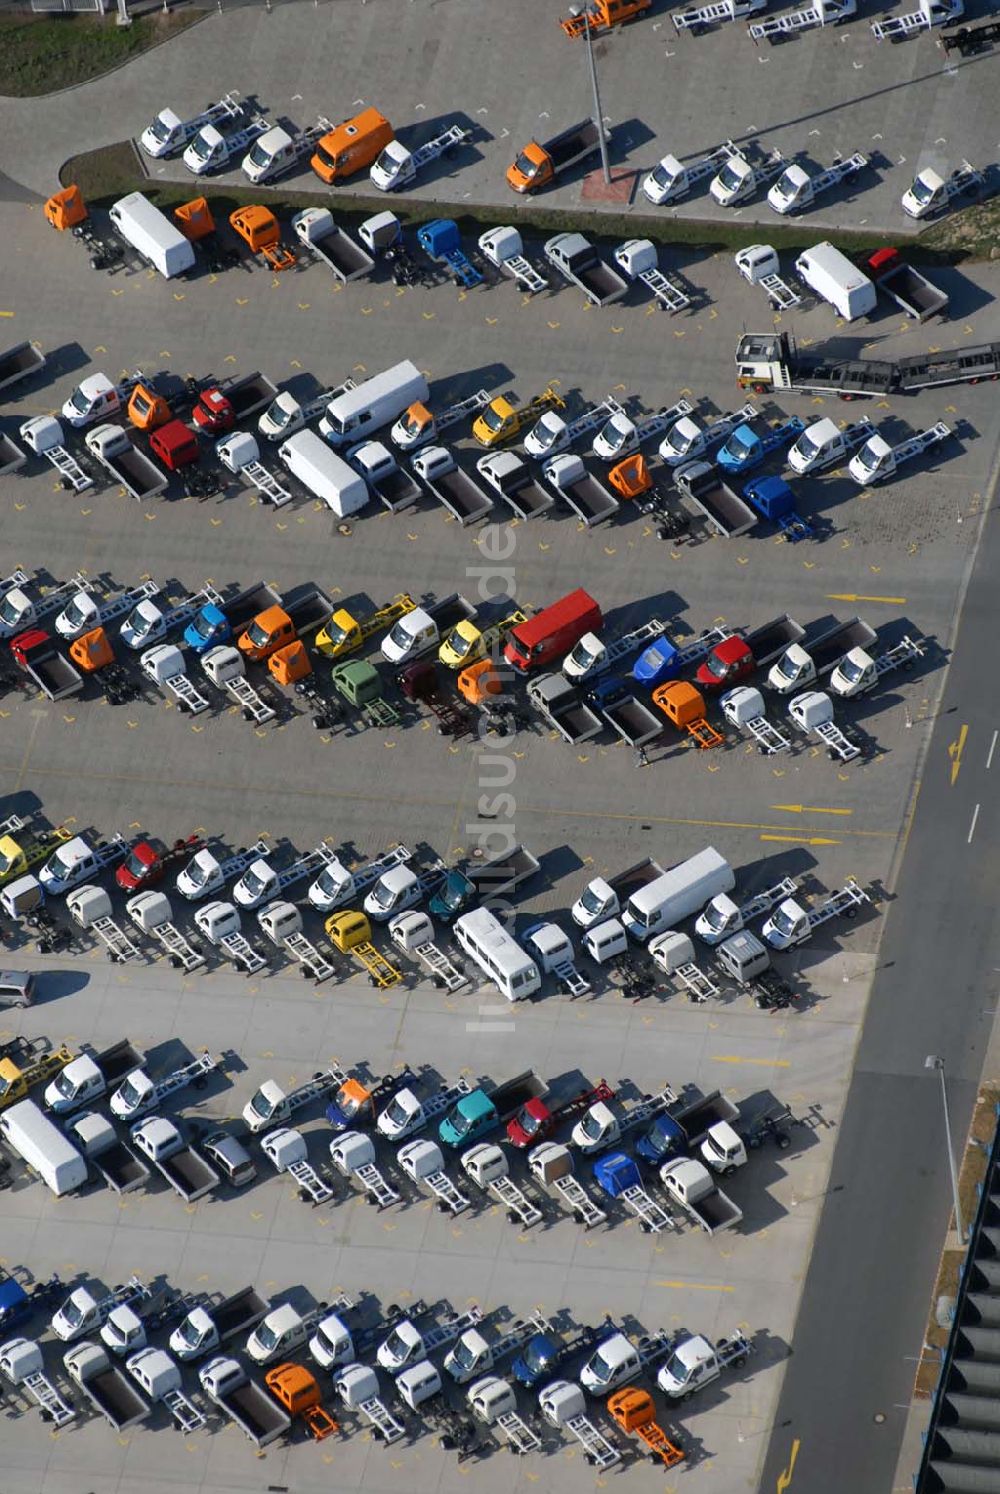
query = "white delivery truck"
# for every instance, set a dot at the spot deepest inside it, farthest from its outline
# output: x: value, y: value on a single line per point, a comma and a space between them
x: 324, y: 473
x: 683, y: 890
x: 377, y: 402
x: 832, y: 276
x: 43, y: 1147
x: 151, y: 234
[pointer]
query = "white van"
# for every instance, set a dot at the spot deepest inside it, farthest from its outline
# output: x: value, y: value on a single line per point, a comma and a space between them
x: 43, y: 1147
x: 151, y: 232
x: 832, y: 276
x: 324, y: 473
x: 677, y: 894
x: 499, y: 957
x: 377, y: 402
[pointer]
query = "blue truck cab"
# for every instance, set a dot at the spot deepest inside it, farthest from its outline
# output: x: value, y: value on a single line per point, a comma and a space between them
x: 537, y: 1361
x: 208, y: 629
x: 656, y: 663
x: 664, y: 1140
x: 745, y: 450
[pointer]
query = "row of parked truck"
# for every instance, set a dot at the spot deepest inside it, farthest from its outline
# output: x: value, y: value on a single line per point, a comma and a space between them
x: 473, y: 1376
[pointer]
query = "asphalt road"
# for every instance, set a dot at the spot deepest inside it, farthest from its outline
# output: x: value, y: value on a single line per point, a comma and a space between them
x: 843, y: 1406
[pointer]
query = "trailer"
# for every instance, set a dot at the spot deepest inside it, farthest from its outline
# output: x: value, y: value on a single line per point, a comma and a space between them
x: 905, y: 285
x: 248, y: 1406
x: 226, y: 668
x: 90, y: 907
x: 578, y: 261
x: 413, y: 932
x: 21, y: 1363
x: 776, y: 504
x: 282, y: 923
x: 628, y: 715
x: 316, y: 229
x: 511, y: 476
x: 877, y: 460
x: 240, y: 454
x: 792, y: 924
x: 743, y: 708
x: 106, y: 1386
x: 12, y: 458
x: 723, y: 508
x: 43, y: 435
x: 859, y: 671
x: 772, y: 361
x: 397, y: 166
x: 185, y: 1169
x: 552, y: 949
x: 116, y: 1163
x: 168, y: 133
x: 418, y: 683
x: 640, y: 261
x: 422, y: 1161
x: 633, y: 1411
x: 160, y: 1378
x: 52, y: 672
x: 969, y: 41
x: 796, y: 188
x: 820, y: 13
x: 112, y: 447
x: 441, y: 241
x: 166, y: 666
x: 460, y: 494
x: 22, y: 361
x: 488, y: 1167
x: 563, y: 708
x: 589, y: 499
x: 618, y: 1176
x: 759, y: 265
x: 287, y: 1151
x: 504, y: 248
x: 812, y: 712
x: 704, y: 17
x: 689, y: 1183
x: 929, y: 14
x: 551, y: 1165
x: 953, y: 366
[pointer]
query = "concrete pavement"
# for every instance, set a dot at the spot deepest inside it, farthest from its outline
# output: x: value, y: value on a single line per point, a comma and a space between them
x: 829, y: 91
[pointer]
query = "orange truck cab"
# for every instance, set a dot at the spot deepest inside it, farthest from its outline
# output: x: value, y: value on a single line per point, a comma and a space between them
x: 632, y: 1409
x: 148, y: 410
x: 260, y: 231
x: 684, y: 706
x: 551, y: 633
x: 630, y: 478
x: 269, y: 631
x: 297, y: 1391
x: 289, y: 664
x: 351, y: 146
x: 477, y: 683
x: 92, y: 651
x: 65, y: 209
x: 604, y: 14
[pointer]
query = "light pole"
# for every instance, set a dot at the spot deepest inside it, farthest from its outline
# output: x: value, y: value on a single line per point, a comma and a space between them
x: 932, y: 1061
x: 577, y: 11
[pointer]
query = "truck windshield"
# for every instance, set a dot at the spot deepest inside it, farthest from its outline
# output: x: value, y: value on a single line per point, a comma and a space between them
x: 134, y: 866
x: 784, y: 923
x: 461, y: 1123
x: 464, y: 1355
x: 492, y: 419
x: 79, y: 401
x: 330, y: 1340
x: 328, y: 882
x: 729, y: 177
x: 786, y: 188
x: 254, y: 884
x: 129, y: 1094
x: 921, y: 191
x: 738, y: 448
x: 261, y: 1105
x: 201, y: 147
x: 383, y: 896
x: 337, y: 633
x: 204, y: 625
x: 65, y: 1085
x: 6, y: 1085
x: 676, y: 1369
x: 529, y: 1124
x: 260, y: 156
x: 546, y: 431
x: 661, y: 176
x: 349, y: 1104
x: 869, y: 458
x: 160, y: 130
x: 327, y: 157
x: 79, y: 609
x: 258, y: 636
x: 659, y: 1137
x: 715, y: 918
x: 616, y: 432
x: 73, y: 1313
x: 266, y: 1336
x: 591, y: 1126
x: 583, y: 657
x: 526, y: 167
x: 61, y: 866
x: 395, y: 1345
x: 196, y: 873
x: 395, y: 1113
x: 10, y: 611
x: 140, y: 623
x: 600, y: 1369
x: 852, y: 670
x: 717, y: 668
x: 458, y: 644
x: 806, y: 447
x: 189, y: 1334
x: 400, y: 635
x: 538, y: 1355
x: 591, y: 901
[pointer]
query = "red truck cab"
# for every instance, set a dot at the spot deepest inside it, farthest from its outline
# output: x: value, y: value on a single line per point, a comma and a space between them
x: 729, y: 662
x: 144, y: 865
x: 175, y: 444
x: 213, y: 413
x: 535, y: 1121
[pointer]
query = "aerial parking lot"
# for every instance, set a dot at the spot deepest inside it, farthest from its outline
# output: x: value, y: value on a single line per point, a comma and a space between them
x: 354, y: 574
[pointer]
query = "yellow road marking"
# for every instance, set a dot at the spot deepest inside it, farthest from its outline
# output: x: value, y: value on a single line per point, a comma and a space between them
x: 955, y: 750
x: 696, y: 1286
x: 803, y: 840
x: 768, y: 1063
x: 785, y: 1477
x: 852, y: 596
x: 809, y: 808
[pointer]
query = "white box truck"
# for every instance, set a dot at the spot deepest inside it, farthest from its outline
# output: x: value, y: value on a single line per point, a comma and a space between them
x: 359, y: 412
x: 683, y: 890
x: 832, y: 276
x: 43, y: 1147
x: 152, y: 235
x: 324, y: 473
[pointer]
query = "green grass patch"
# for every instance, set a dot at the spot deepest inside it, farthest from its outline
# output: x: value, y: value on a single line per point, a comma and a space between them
x: 106, y: 174
x: 40, y: 55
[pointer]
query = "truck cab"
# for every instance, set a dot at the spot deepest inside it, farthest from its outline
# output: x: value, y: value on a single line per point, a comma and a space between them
x: 471, y: 1118
x: 270, y: 630
x: 614, y: 1362
x: 729, y: 662
x: 277, y: 1335
x: 207, y: 630
x: 412, y: 634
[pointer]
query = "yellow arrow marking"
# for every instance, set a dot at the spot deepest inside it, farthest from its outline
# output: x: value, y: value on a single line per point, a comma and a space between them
x: 767, y: 1063
x: 955, y: 750
x: 810, y: 808
x: 785, y: 1477
x: 853, y: 596
x: 802, y: 840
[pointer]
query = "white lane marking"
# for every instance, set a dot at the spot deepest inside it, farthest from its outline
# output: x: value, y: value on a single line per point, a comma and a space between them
x: 993, y: 748
x: 972, y: 827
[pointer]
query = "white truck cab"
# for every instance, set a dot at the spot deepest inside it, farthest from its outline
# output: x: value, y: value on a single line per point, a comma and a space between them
x: 413, y: 634
x: 394, y: 892
x: 613, y: 1363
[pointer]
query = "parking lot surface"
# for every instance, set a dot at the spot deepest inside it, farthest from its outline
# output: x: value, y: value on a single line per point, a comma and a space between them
x: 897, y: 556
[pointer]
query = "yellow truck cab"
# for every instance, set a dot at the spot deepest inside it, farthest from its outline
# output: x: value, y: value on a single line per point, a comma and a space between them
x: 16, y: 1081
x: 502, y: 419
x: 22, y: 848
x: 347, y: 930
x: 344, y: 632
x: 466, y: 643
